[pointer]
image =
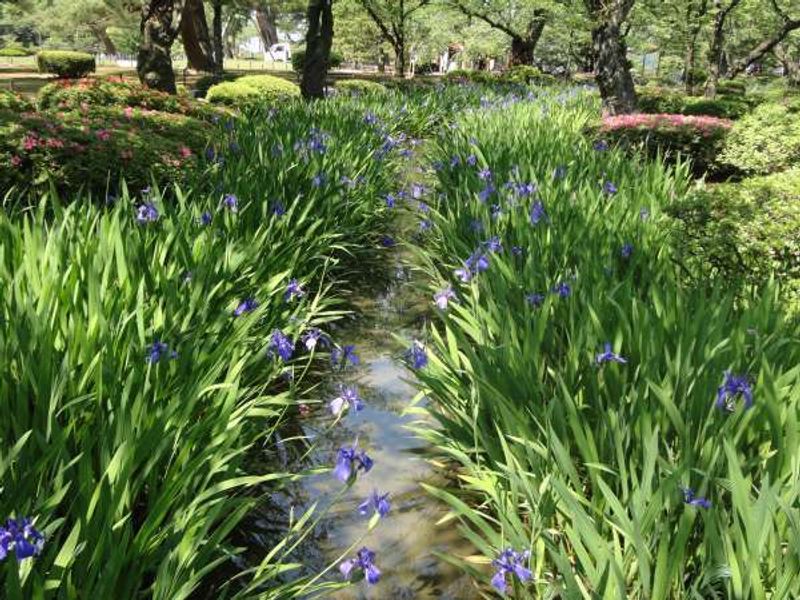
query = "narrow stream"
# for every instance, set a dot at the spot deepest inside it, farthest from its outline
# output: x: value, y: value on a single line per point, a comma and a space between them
x: 405, y: 541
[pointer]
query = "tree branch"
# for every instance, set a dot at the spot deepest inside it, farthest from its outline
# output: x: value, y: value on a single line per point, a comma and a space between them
x: 458, y: 5
x: 766, y: 46
x: 379, y: 22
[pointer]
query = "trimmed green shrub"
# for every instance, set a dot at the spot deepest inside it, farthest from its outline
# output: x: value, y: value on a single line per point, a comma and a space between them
x: 744, y: 232
x: 698, y: 138
x: 91, y: 149
x: 65, y: 64
x: 252, y: 89
x: 12, y: 51
x: 731, y: 86
x: 724, y: 107
x: 299, y: 59
x: 360, y: 86
x: 12, y: 101
x: 526, y: 74
x: 269, y: 86
x: 765, y: 141
x: 75, y: 95
x: 233, y: 94
x: 203, y: 84
x: 657, y: 100
x: 464, y: 76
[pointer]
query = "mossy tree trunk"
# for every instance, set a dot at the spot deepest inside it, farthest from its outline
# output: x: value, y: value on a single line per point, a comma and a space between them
x: 216, y: 36
x: 159, y: 27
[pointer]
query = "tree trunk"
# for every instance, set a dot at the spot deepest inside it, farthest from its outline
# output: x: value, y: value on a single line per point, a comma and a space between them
x: 400, y: 59
x: 196, y: 38
x: 695, y: 23
x: 265, y: 23
x: 523, y: 48
x: 612, y: 69
x: 158, y: 27
x: 717, y: 45
x: 319, y: 40
x: 102, y: 36
x: 216, y: 36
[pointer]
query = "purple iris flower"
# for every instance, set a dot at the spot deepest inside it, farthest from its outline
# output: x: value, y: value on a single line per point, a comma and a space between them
x: 278, y: 209
x: 510, y: 562
x: 496, y: 211
x: 348, y: 398
x: 390, y: 201
x: 146, y: 213
x: 210, y: 153
x: 231, y: 202
x: 379, y: 503
x: 245, y: 306
x: 472, y: 160
x: 442, y: 297
x: 537, y: 212
x: 416, y: 355
x: 534, y: 299
x: 608, y: 356
x: 609, y: 188
x: 417, y: 191
x: 293, y: 290
x: 734, y: 386
x: 387, y: 241
x: 524, y: 190
x: 627, y: 250
x: 601, y: 145
x: 280, y: 344
x: 691, y: 499
x: 205, y: 219
x: 562, y: 288
x: 370, y: 118
x: 486, y: 192
x: 423, y: 207
x: 425, y: 225
x: 319, y: 180
x: 517, y: 250
x: 312, y: 337
x: 20, y: 536
x: 158, y: 350
x: 485, y: 174
x: 364, y: 560
x: 455, y: 161
x: 349, y: 461
x: 341, y: 356
x: 476, y: 226
x: 493, y: 244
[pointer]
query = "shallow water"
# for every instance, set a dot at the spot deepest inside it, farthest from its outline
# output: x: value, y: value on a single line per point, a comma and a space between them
x: 405, y: 541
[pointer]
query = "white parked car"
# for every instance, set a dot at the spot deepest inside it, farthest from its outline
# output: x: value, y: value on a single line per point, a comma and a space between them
x: 280, y: 52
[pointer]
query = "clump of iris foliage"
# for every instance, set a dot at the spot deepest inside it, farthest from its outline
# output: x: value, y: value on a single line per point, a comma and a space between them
x: 151, y: 351
x: 634, y: 430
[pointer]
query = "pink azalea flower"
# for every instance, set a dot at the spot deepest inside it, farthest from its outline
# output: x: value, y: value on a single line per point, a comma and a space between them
x: 16, y: 161
x: 185, y: 152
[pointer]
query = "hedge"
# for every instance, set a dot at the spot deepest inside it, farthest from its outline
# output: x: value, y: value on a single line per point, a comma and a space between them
x: 13, y: 51
x: 65, y: 64
x: 765, y: 141
x: 747, y: 232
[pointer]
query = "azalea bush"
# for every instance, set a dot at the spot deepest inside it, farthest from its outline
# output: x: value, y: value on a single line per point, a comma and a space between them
x: 93, y: 148
x: 86, y: 94
x: 674, y: 136
x: 618, y: 430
